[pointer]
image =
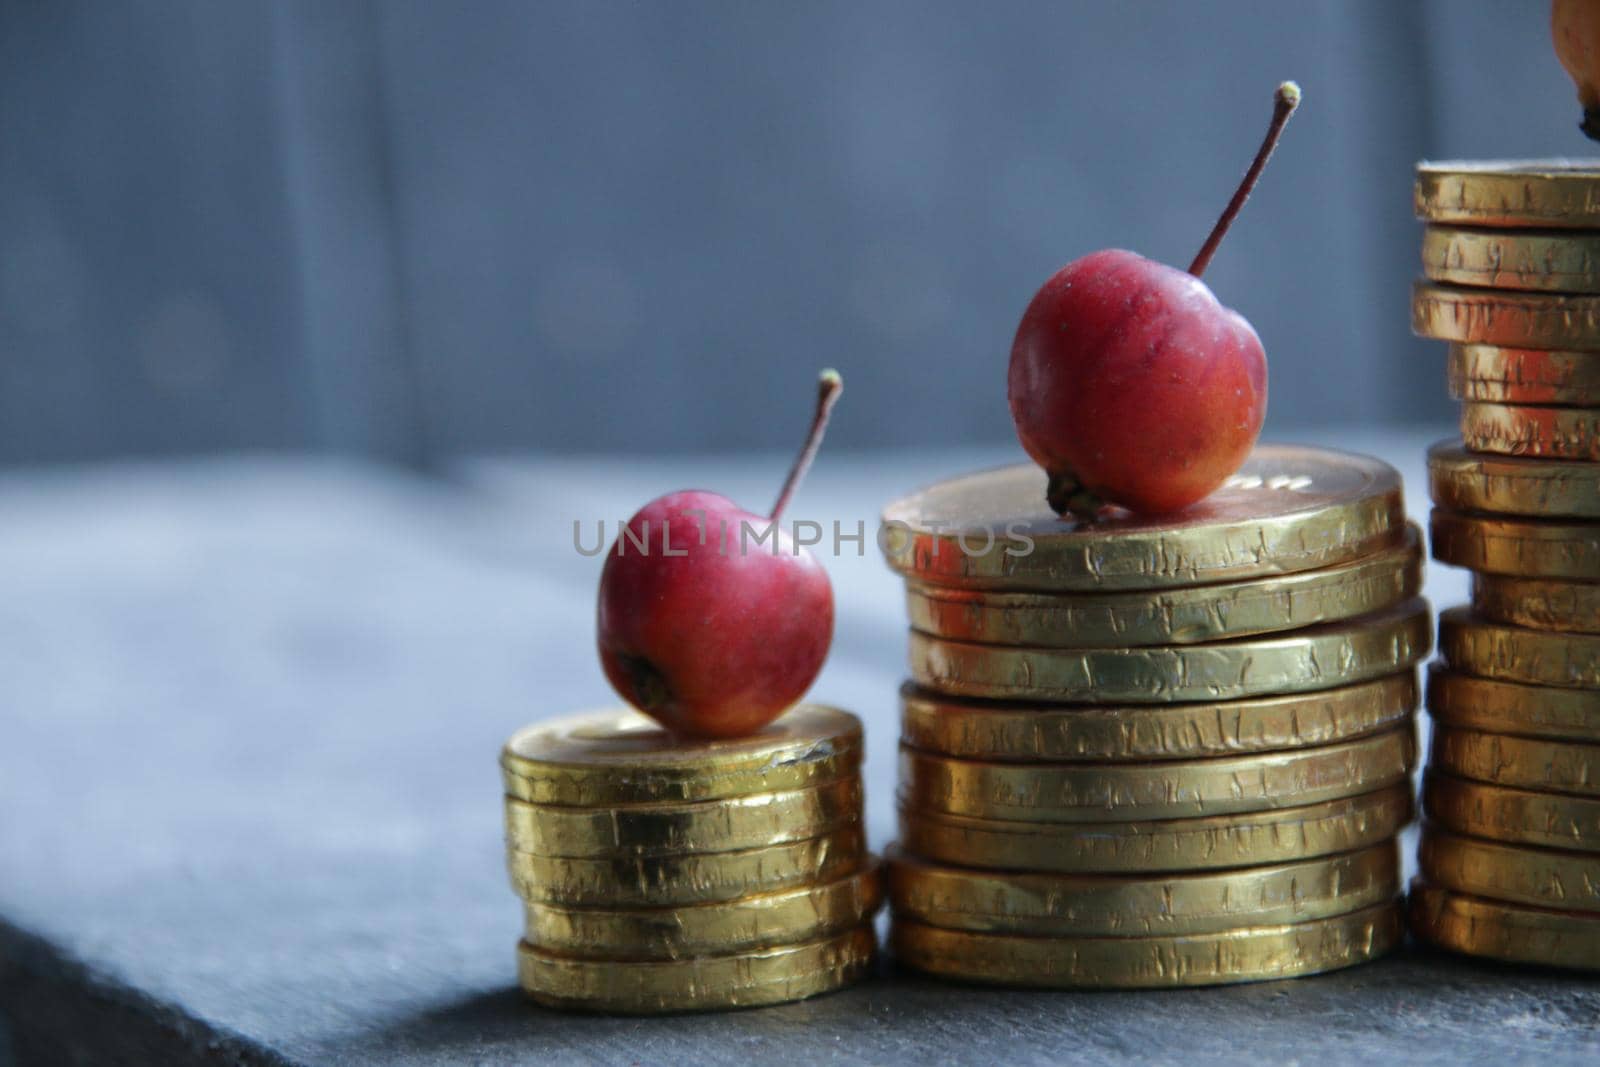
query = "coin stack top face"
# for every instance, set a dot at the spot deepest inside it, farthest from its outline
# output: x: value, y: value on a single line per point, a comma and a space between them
x: 660, y: 874
x: 1289, y: 509
x: 1511, y: 278
x: 1156, y: 752
x: 622, y: 757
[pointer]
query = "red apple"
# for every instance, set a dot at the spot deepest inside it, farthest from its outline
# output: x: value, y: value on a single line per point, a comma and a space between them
x: 1129, y: 382
x: 706, y: 629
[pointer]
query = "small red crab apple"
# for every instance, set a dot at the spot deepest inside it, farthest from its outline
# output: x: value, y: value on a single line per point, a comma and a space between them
x: 1130, y: 384
x: 707, y: 631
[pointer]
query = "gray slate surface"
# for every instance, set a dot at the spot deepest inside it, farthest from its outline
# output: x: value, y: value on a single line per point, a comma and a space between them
x: 249, y: 805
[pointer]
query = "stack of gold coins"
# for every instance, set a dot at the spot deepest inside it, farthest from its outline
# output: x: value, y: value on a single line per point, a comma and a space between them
x: 663, y: 875
x: 1510, y: 853
x: 1156, y: 752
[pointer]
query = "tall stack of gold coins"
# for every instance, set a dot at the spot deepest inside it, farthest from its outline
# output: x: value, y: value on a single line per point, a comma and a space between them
x: 662, y: 875
x: 1149, y: 753
x: 1510, y: 854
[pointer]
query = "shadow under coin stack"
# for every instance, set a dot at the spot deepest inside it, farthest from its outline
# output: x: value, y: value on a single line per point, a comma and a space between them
x: 661, y: 875
x: 1510, y: 853
x: 1149, y: 753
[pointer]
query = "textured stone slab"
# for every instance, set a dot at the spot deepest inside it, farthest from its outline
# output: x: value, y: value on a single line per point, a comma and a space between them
x: 250, y: 809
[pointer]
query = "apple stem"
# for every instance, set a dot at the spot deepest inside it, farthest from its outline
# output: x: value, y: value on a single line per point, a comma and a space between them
x: 1284, y: 102
x: 829, y: 386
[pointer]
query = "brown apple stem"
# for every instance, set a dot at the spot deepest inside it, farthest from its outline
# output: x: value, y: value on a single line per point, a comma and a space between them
x: 829, y: 386
x: 1284, y: 102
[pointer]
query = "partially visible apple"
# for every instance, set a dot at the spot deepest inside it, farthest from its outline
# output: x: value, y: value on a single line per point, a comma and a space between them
x: 1575, y: 30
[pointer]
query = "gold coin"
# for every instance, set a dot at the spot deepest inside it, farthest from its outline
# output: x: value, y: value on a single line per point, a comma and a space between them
x: 1512, y: 485
x: 1541, y: 877
x: 1289, y: 509
x: 1528, y: 548
x: 1064, y: 905
x: 1512, y: 259
x: 1505, y: 317
x: 753, y: 821
x: 1033, y: 733
x: 1247, y: 954
x: 1228, y: 785
x: 1509, y: 932
x: 1514, y: 816
x: 1524, y: 376
x: 808, y: 913
x: 705, y: 983
x: 1172, y: 616
x: 1530, y: 193
x: 1513, y: 654
x: 1222, y: 841
x: 1541, y: 604
x: 618, y: 756
x: 1525, y: 430
x: 1519, y: 762
x: 688, y: 878
x: 1323, y: 657
x: 1508, y: 708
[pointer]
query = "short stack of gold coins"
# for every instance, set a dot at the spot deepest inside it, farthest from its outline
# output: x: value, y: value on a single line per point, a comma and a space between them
x: 666, y: 875
x: 1510, y: 852
x: 1150, y: 753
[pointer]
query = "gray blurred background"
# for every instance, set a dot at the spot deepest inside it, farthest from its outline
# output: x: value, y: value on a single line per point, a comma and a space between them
x: 413, y: 230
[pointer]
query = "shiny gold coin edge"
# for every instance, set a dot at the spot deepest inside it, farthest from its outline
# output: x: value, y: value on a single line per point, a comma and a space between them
x: 1541, y: 936
x: 1172, y: 845
x: 1534, y: 377
x: 1528, y: 194
x: 1025, y: 733
x: 672, y: 986
x: 1509, y: 318
x: 679, y: 880
x: 1394, y: 640
x: 1511, y: 816
x: 1512, y: 545
x: 1524, y: 488
x: 1168, y: 790
x: 805, y: 913
x: 1567, y: 262
x: 1519, y: 874
x: 1534, y: 431
x: 1061, y: 905
x: 698, y: 770
x: 1538, y: 603
x: 1493, y: 706
x: 730, y: 825
x: 1148, y: 963
x: 1505, y: 759
x: 1251, y: 607
x: 1512, y: 653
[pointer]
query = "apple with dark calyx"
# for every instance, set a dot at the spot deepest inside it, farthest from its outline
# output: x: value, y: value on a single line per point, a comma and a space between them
x: 712, y: 629
x: 1575, y: 28
x: 1130, y: 384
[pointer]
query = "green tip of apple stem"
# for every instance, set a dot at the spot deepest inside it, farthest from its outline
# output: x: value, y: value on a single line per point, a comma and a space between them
x: 829, y: 386
x: 1284, y: 101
